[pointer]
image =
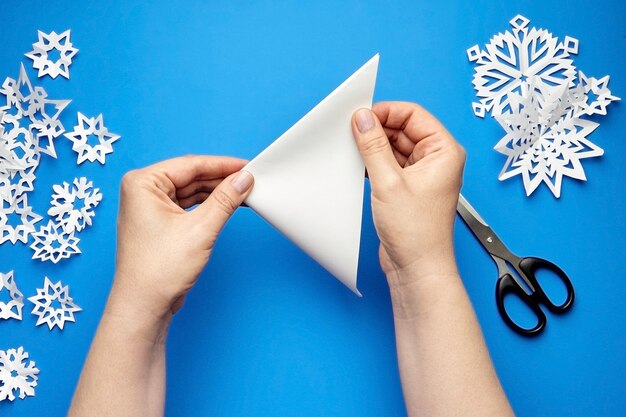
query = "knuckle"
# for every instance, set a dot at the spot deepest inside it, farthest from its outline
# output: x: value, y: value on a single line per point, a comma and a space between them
x: 224, y: 201
x: 129, y: 179
x: 378, y: 142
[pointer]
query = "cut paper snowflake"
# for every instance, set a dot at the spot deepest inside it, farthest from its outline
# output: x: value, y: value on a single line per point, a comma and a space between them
x: 51, y: 243
x: 73, y: 206
x: 14, y: 231
x: 13, y: 308
x: 52, y: 43
x: 85, y: 128
x: 53, y: 305
x: 16, y: 374
x: 526, y: 80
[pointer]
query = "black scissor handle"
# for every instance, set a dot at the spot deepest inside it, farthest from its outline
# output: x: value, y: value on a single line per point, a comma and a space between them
x: 529, y: 266
x: 507, y: 285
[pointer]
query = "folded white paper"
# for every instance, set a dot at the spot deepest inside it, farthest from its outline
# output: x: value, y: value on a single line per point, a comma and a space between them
x: 309, y: 182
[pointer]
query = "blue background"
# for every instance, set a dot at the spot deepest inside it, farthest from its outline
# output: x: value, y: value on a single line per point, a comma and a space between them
x: 266, y: 331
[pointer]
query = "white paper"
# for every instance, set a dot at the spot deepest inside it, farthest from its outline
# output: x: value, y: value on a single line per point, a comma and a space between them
x: 52, y: 243
x: 73, y: 206
x: 527, y: 80
x: 16, y: 375
x: 80, y: 139
x: 53, y: 305
x: 12, y: 309
x: 18, y: 207
x: 44, y: 45
x: 309, y: 182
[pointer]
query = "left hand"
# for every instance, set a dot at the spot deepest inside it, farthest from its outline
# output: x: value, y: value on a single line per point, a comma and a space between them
x: 162, y: 247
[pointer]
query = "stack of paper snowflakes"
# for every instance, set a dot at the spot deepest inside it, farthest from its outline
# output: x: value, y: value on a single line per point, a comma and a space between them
x: 30, y: 122
x: 526, y: 79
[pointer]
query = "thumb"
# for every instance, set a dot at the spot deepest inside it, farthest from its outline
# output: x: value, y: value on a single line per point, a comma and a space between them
x: 224, y: 200
x: 373, y: 145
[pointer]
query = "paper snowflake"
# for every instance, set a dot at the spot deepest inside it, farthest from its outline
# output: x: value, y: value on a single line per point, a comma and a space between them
x: 52, y: 43
x: 17, y: 231
x: 52, y: 243
x: 85, y: 128
x: 72, y: 206
x: 16, y: 374
x: 527, y: 81
x: 13, y: 308
x: 53, y: 305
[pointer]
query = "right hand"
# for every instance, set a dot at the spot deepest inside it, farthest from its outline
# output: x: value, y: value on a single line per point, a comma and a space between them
x: 415, y: 169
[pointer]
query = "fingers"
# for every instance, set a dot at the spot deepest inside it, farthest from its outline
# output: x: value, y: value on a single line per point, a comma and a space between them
x: 373, y: 145
x: 217, y: 208
x: 185, y: 170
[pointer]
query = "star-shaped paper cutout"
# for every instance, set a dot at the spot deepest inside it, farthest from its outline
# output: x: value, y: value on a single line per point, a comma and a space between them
x: 600, y: 89
x: 16, y: 375
x: 73, y: 206
x: 80, y: 135
x: 51, y: 243
x: 13, y: 308
x: 47, y: 43
x: 46, y: 302
x: 27, y: 216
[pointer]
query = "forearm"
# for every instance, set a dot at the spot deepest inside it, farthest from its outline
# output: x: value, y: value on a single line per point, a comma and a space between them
x: 124, y: 374
x: 444, y: 363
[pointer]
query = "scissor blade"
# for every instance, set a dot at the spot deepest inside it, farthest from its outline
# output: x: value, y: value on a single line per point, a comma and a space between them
x: 465, y: 206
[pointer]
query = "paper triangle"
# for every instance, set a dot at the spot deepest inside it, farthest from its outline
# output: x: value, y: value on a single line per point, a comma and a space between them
x: 309, y: 182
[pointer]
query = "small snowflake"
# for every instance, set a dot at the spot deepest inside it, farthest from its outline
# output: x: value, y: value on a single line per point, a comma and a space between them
x: 51, y: 243
x: 16, y: 375
x: 80, y: 136
x: 48, y: 43
x: 73, y: 206
x: 53, y: 305
x: 599, y: 89
x: 13, y: 308
x: 28, y: 218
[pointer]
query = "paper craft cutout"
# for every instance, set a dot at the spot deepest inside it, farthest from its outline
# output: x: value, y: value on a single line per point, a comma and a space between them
x: 80, y: 136
x: 309, y: 182
x: 53, y: 305
x: 16, y: 375
x: 51, y: 243
x: 526, y: 79
x: 48, y: 43
x: 13, y: 308
x: 72, y: 206
x: 14, y: 233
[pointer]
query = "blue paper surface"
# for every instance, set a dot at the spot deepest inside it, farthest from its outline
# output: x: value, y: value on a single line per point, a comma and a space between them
x: 266, y: 331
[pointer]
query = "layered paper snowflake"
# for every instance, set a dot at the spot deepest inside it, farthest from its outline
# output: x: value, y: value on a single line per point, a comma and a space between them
x: 52, y: 243
x: 53, y: 305
x: 526, y: 79
x: 53, y: 43
x: 73, y: 206
x: 91, y: 126
x: 16, y: 375
x: 17, y: 231
x: 13, y: 308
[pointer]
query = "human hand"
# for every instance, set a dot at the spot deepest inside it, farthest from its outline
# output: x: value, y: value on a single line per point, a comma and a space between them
x: 161, y: 247
x: 415, y: 170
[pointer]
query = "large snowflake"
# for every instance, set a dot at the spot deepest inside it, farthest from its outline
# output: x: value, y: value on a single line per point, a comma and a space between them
x: 527, y: 81
x: 16, y: 374
x: 53, y: 305
x: 73, y: 206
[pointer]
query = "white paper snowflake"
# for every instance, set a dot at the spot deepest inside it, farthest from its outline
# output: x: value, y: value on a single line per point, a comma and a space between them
x: 16, y: 374
x: 527, y: 81
x: 13, y: 308
x: 85, y: 128
x: 73, y: 206
x: 51, y: 243
x: 52, y: 43
x: 14, y: 231
x: 53, y: 305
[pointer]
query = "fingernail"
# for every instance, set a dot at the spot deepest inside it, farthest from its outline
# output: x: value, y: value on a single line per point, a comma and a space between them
x: 364, y: 120
x: 242, y: 181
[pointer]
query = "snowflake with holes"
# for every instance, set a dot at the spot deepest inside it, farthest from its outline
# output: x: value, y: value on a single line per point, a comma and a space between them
x: 48, y: 44
x: 53, y: 305
x: 73, y: 206
x: 52, y: 243
x: 13, y: 308
x: 91, y: 126
x: 16, y: 375
x: 527, y: 81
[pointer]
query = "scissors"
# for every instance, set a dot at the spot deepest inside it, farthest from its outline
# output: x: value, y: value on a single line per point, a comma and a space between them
x: 508, y: 279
